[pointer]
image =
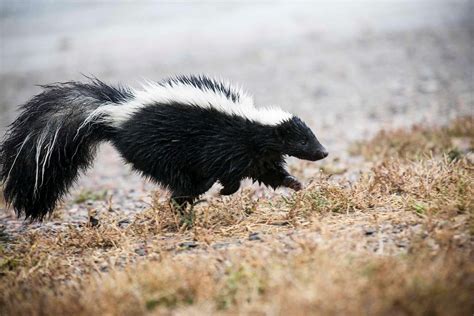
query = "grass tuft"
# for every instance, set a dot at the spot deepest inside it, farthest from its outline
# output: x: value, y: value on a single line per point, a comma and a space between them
x: 420, y: 142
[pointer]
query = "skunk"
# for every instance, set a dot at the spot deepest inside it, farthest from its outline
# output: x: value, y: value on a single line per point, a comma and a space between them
x: 185, y: 133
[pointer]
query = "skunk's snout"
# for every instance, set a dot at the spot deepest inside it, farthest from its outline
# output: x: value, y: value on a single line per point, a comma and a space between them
x: 323, y: 153
x: 320, y: 153
x: 312, y: 152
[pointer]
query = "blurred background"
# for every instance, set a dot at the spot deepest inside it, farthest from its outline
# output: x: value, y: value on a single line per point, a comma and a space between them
x: 348, y: 68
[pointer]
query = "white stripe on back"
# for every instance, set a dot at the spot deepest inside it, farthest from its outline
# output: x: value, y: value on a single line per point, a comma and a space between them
x: 175, y: 91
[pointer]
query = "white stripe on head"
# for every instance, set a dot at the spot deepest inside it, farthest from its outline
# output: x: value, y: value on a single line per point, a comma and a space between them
x: 188, y: 93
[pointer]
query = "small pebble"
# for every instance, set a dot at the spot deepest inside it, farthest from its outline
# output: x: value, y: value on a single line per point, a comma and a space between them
x: 224, y: 245
x: 221, y: 245
x: 401, y: 244
x: 140, y: 251
x: 123, y: 223
x: 254, y: 236
x: 93, y: 221
x: 188, y: 244
x: 369, y: 231
x: 104, y: 267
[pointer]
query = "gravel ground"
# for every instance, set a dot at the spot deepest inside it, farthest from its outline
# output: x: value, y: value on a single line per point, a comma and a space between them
x: 348, y: 69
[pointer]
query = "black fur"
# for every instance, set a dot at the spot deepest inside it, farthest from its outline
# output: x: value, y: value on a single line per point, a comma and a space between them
x: 185, y: 148
x: 203, y: 82
x: 61, y: 107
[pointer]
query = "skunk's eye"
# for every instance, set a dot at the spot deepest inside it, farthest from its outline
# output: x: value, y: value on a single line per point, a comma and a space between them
x: 304, y: 142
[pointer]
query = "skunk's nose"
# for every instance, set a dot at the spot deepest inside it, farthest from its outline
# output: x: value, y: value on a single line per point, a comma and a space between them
x: 320, y: 154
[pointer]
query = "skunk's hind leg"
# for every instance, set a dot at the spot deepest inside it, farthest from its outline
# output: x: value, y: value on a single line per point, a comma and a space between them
x: 182, y: 201
x: 229, y: 187
x: 189, y: 191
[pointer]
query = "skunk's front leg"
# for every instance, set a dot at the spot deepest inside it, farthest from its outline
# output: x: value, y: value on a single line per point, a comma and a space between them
x: 277, y: 176
x: 292, y: 183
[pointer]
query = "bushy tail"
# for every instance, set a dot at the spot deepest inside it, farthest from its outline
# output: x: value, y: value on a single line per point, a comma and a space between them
x: 53, y: 139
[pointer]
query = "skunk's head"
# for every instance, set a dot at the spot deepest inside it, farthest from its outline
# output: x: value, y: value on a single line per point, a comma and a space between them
x: 297, y: 140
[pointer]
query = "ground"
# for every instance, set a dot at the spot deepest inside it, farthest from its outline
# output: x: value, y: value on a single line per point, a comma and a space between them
x: 384, y: 225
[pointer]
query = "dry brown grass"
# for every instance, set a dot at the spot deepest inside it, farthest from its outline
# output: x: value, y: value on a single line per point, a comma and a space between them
x: 428, y: 186
x: 420, y: 141
x: 396, y: 241
x: 266, y: 279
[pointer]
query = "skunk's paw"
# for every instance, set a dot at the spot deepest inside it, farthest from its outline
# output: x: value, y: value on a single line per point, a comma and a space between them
x: 292, y: 183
